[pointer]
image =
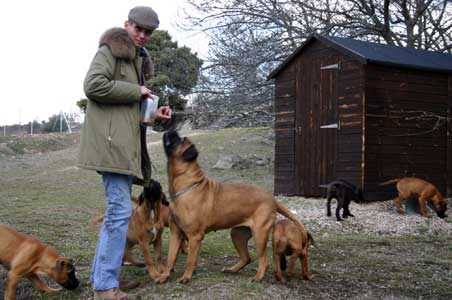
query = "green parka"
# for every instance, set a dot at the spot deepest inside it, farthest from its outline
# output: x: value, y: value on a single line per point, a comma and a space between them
x: 112, y: 139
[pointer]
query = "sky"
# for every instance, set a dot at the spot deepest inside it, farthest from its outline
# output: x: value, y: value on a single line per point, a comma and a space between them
x: 48, y: 46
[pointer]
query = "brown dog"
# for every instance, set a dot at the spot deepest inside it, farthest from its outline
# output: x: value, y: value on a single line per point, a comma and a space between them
x: 425, y: 191
x: 289, y: 239
x: 200, y: 205
x: 26, y: 256
x: 145, y: 227
x: 164, y: 214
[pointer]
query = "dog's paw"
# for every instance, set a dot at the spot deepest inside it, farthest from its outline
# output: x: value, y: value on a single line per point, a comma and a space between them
x: 280, y: 278
x: 184, y: 279
x: 161, y: 279
x: 160, y: 268
x: 308, y: 278
x: 229, y: 270
x: 155, y: 275
x: 257, y: 279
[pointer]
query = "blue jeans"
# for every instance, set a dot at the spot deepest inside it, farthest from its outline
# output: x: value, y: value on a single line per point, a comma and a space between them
x: 112, y: 237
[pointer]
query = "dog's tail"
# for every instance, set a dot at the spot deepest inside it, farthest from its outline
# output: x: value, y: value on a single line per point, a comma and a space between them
x: 311, y: 239
x: 390, y: 181
x: 96, y: 220
x: 288, y: 214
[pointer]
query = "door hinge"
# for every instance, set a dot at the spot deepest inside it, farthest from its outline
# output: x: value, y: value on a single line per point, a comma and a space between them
x: 334, y: 125
x: 334, y: 66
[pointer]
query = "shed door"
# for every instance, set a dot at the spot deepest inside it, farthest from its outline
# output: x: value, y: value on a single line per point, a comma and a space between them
x: 316, y: 123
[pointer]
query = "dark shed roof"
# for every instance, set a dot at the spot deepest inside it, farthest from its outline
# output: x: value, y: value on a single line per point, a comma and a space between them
x: 381, y: 54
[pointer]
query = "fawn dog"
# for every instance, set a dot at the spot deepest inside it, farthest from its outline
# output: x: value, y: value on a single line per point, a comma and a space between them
x: 26, y: 256
x: 425, y: 191
x: 290, y: 239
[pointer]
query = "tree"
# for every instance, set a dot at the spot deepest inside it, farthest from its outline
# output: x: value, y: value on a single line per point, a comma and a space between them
x: 57, y: 123
x: 250, y: 38
x: 176, y: 69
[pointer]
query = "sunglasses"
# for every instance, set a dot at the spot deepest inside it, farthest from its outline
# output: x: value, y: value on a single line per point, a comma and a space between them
x: 140, y: 29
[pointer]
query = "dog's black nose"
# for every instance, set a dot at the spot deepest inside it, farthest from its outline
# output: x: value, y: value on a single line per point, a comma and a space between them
x: 170, y: 137
x: 72, y: 282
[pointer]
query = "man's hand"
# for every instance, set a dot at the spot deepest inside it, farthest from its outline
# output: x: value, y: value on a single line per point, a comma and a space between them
x: 163, y: 113
x: 145, y: 92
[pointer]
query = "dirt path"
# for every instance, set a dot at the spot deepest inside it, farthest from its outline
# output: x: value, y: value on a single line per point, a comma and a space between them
x: 189, y: 134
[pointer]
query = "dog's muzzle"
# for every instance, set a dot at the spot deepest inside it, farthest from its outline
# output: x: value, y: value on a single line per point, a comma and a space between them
x: 441, y: 215
x: 171, y: 140
x: 71, y: 283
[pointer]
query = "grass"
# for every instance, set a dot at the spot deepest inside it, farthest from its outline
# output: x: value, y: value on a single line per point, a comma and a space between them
x: 42, y: 194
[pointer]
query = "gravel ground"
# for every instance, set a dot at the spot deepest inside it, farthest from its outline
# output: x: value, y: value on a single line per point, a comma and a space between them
x: 376, y: 218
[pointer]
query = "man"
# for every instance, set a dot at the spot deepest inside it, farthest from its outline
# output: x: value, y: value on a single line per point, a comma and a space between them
x: 112, y: 141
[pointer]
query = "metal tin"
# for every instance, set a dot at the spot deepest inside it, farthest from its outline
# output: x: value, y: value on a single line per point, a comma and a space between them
x: 148, y: 110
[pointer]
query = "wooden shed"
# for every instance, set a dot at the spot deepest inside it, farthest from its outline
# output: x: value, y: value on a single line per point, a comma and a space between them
x: 364, y: 112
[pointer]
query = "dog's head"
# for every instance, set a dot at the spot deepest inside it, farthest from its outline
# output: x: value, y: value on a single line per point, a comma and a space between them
x: 177, y: 147
x: 153, y: 194
x: 65, y: 273
x: 359, y: 196
x: 440, y: 208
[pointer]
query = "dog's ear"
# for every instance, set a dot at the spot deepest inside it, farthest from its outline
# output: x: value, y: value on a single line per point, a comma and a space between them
x: 140, y: 199
x: 153, y: 191
x: 190, y: 153
x: 360, y: 195
x: 164, y: 201
x: 441, y: 210
x: 63, y: 262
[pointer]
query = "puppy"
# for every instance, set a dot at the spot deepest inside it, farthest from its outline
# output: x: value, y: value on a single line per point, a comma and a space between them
x: 26, y: 256
x: 290, y: 239
x: 344, y: 192
x: 164, y: 213
x: 145, y: 227
x: 425, y: 191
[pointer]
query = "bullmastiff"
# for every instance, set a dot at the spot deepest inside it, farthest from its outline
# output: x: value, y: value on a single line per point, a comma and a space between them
x: 200, y: 204
x: 145, y: 228
x: 425, y: 191
x: 26, y: 256
x: 289, y: 239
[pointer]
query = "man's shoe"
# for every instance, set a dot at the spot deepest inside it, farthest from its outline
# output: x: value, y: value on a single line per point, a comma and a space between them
x: 125, y: 285
x: 113, y: 294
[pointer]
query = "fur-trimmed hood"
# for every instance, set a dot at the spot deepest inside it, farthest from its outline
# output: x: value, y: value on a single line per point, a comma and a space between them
x: 119, y: 42
x: 123, y: 47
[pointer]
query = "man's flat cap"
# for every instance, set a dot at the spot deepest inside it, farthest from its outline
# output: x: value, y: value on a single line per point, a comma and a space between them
x: 144, y: 16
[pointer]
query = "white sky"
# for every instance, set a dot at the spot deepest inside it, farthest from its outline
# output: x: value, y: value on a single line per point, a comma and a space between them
x: 47, y: 47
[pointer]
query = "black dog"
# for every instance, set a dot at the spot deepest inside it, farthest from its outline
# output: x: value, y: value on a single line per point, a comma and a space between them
x: 344, y: 192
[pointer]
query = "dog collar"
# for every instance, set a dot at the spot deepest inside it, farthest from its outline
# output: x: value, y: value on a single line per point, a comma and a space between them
x: 183, y: 191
